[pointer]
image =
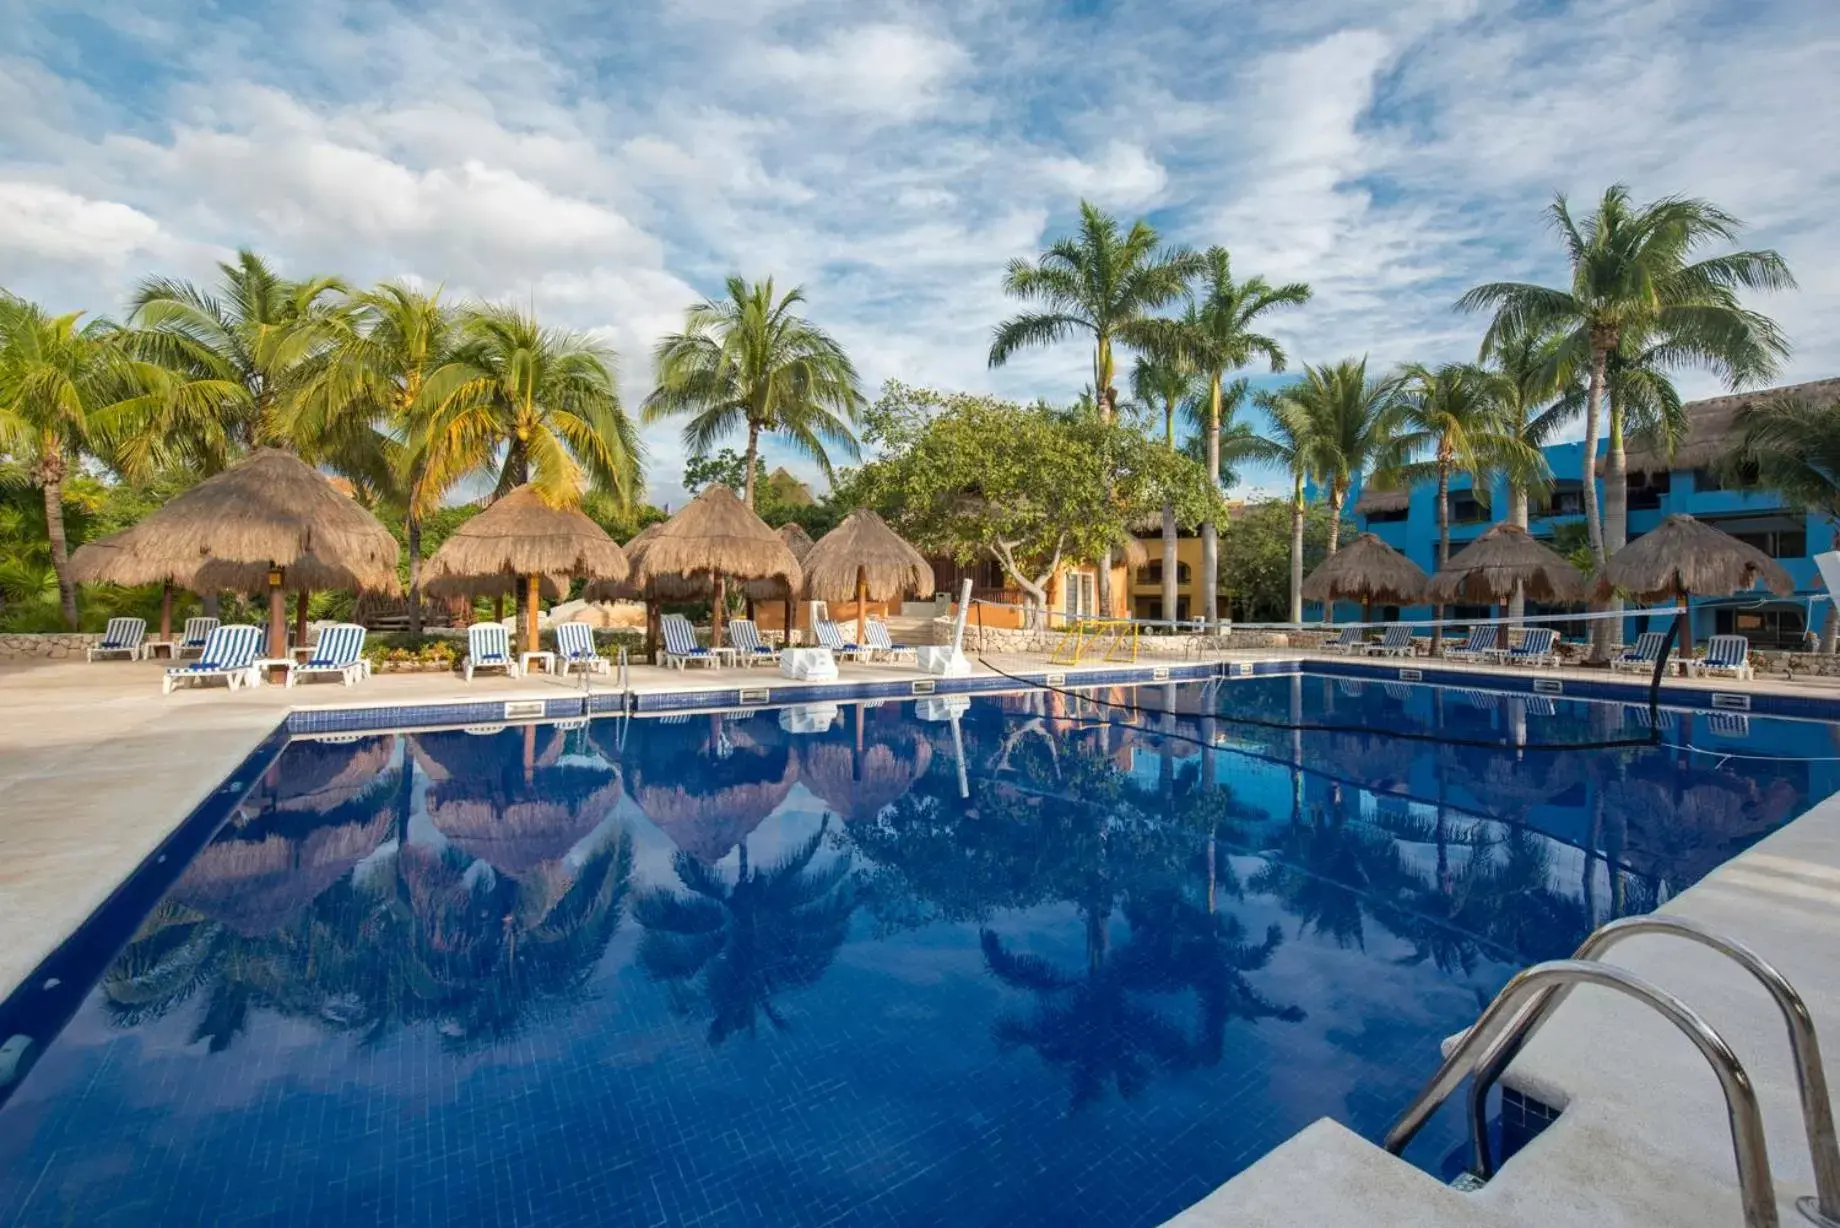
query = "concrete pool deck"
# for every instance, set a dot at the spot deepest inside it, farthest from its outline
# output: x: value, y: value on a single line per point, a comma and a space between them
x: 97, y: 768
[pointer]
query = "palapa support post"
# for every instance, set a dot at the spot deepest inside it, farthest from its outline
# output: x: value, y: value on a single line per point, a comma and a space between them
x: 788, y: 640
x: 532, y: 600
x: 718, y: 607
x: 862, y: 606
x: 166, y: 610
x: 498, y: 608
x: 1686, y: 631
x: 300, y: 617
x: 277, y: 613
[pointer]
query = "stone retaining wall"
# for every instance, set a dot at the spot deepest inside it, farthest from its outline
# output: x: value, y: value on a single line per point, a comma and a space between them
x: 56, y: 645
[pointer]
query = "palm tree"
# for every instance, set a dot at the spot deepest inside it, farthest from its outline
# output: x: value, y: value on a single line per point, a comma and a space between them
x: 1215, y: 335
x: 1632, y: 274
x: 1354, y: 428
x: 537, y: 405
x: 748, y: 940
x: 751, y: 360
x: 1452, y: 412
x: 1161, y: 383
x: 391, y: 367
x: 1289, y: 444
x: 252, y: 336
x: 1104, y: 282
x: 1793, y: 447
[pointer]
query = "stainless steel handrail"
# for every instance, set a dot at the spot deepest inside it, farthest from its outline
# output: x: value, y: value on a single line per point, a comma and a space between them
x: 1804, y: 1048
x: 1510, y: 1018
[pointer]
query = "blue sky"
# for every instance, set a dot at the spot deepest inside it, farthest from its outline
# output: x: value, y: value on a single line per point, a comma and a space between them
x: 611, y: 164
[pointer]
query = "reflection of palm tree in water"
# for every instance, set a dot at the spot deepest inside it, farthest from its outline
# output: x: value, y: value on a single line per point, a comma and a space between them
x: 1323, y: 867
x: 742, y: 943
x: 1094, y: 1023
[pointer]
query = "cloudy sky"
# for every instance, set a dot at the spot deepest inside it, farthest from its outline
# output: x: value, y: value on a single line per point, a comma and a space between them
x: 611, y: 163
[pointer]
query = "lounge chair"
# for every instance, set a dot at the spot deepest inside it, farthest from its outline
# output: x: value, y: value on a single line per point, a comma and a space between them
x: 197, y: 631
x: 338, y: 653
x: 1478, y: 647
x: 122, y: 639
x: 831, y: 636
x: 229, y: 653
x: 1535, y: 648
x: 680, y: 646
x: 884, y: 647
x: 488, y: 646
x: 1396, y: 643
x: 1351, y: 640
x: 1725, y: 654
x: 575, y: 647
x: 1643, y: 655
x: 744, y: 638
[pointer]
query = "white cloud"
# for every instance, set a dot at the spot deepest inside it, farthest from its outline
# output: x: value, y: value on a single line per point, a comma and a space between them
x: 883, y: 69
x: 1122, y: 176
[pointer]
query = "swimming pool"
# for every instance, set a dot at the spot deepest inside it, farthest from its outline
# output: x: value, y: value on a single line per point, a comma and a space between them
x: 1020, y: 959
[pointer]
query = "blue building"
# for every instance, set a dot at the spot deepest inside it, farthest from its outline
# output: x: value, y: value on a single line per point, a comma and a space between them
x: 1658, y: 487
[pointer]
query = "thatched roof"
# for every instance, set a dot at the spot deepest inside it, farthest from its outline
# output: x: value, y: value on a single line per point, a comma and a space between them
x: 1367, y: 569
x: 1685, y: 555
x: 658, y: 588
x: 799, y: 542
x: 521, y: 535
x: 255, y: 885
x: 1712, y: 431
x: 1487, y: 569
x: 864, y: 544
x: 1374, y: 500
x: 716, y: 533
x: 272, y: 509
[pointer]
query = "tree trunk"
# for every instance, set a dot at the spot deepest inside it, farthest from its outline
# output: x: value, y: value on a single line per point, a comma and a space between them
x: 1297, y: 552
x: 1443, y: 551
x: 412, y: 534
x: 1594, y: 397
x: 1830, y: 628
x: 1170, y: 563
x: 1517, y: 516
x: 1106, y: 609
x: 1336, y: 494
x: 753, y: 451
x: 1210, y: 532
x: 1609, y: 631
x: 52, y: 478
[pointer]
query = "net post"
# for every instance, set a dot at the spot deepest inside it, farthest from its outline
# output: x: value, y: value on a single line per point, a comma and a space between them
x: 1654, y: 681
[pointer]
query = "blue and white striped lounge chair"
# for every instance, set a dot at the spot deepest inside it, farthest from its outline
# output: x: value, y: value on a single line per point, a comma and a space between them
x: 744, y: 638
x: 122, y: 639
x: 197, y: 631
x: 1397, y: 642
x: 884, y: 647
x: 1726, y: 654
x: 1728, y: 724
x: 488, y: 646
x: 831, y: 636
x: 339, y: 653
x: 575, y: 647
x: 1535, y: 648
x: 1480, y: 644
x: 1352, y: 639
x: 229, y: 653
x: 1642, y: 656
x: 680, y: 646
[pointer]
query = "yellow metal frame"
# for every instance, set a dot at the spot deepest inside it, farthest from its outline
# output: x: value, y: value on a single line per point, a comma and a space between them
x: 1108, y: 639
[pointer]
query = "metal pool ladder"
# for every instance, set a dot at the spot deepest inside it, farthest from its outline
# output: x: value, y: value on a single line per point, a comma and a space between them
x: 1532, y: 997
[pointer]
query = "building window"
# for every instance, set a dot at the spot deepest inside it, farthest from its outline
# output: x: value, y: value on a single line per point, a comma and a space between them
x: 1566, y: 498
x: 1465, y: 508
x: 1391, y: 515
x: 1763, y: 628
x: 1152, y: 573
x: 1646, y: 490
x: 1705, y: 481
x: 1778, y: 543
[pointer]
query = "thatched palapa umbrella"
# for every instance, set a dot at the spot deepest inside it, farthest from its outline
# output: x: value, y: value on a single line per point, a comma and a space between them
x: 1486, y: 571
x: 715, y: 538
x: 1686, y: 558
x: 271, y: 521
x: 799, y: 542
x: 119, y: 559
x: 864, y: 559
x: 521, y: 536
x: 1367, y: 570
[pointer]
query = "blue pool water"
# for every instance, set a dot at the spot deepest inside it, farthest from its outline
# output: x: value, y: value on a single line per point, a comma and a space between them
x: 757, y: 970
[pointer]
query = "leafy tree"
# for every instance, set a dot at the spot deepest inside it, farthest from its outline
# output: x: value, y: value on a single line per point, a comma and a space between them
x: 1216, y: 335
x: 1028, y: 487
x: 1256, y: 554
x: 1166, y: 385
x: 1288, y: 443
x: 1525, y: 373
x: 1633, y: 275
x: 752, y: 362
x: 726, y: 467
x: 537, y: 405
